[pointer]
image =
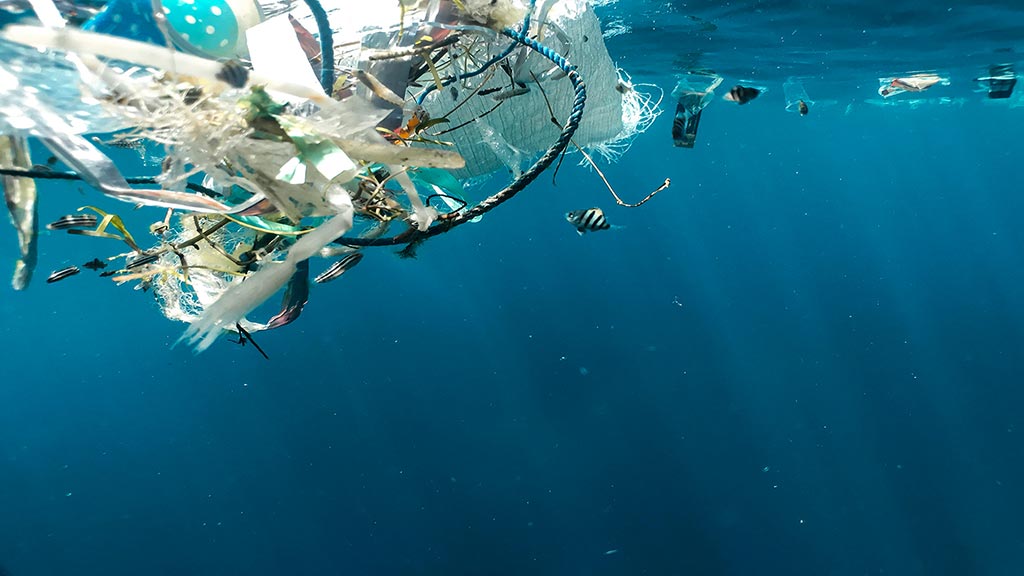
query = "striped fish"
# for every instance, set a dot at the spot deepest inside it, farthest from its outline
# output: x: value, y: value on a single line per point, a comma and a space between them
x: 590, y: 220
x: 511, y: 93
x: 742, y: 94
x: 63, y: 273
x: 142, y: 260
x: 73, y: 221
x: 233, y: 73
x: 339, y: 268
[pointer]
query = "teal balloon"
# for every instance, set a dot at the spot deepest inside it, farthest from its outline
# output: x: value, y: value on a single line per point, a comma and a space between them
x: 208, y: 27
x: 127, y: 19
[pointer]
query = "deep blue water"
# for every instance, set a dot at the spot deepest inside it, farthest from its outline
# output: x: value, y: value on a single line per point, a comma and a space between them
x: 804, y: 358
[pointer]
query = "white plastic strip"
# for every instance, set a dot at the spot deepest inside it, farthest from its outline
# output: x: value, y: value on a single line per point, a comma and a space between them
x: 147, y: 55
x: 275, y: 53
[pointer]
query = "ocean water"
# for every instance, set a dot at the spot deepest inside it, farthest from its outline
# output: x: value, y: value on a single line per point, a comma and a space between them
x: 803, y: 358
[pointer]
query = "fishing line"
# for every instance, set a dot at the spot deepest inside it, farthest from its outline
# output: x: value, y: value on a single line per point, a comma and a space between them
x: 593, y: 164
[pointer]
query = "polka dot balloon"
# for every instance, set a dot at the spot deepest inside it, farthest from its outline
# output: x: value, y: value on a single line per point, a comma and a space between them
x: 212, y: 28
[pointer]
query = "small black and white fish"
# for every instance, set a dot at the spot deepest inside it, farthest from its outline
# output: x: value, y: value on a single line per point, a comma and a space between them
x: 192, y: 95
x: 95, y: 264
x: 73, y: 221
x: 142, y: 260
x: 234, y: 73
x: 339, y: 268
x: 63, y: 273
x: 590, y: 220
x: 511, y: 93
x: 127, y: 143
x: 742, y: 94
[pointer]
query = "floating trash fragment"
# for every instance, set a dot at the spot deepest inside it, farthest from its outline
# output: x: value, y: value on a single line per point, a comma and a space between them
x: 796, y: 96
x: 914, y: 83
x: 693, y: 92
x: 1000, y: 81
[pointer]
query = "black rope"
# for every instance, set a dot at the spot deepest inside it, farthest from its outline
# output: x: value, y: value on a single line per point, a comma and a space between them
x: 456, y: 198
x: 54, y: 175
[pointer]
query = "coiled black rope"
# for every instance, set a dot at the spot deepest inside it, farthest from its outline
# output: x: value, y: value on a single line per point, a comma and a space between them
x: 48, y: 174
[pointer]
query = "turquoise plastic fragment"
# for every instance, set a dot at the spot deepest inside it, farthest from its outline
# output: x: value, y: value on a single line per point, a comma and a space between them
x: 441, y: 178
x: 258, y: 222
x: 293, y: 171
x: 319, y: 152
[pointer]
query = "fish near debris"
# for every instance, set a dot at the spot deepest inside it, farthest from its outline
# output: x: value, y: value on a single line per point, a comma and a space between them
x: 339, y: 268
x: 801, y: 106
x: 233, y: 73
x: 142, y: 260
x: 742, y: 94
x: 590, y: 220
x: 63, y: 273
x: 74, y: 221
x: 95, y: 264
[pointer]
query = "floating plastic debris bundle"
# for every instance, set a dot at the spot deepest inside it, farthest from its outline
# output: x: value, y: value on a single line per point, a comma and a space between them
x: 1000, y: 81
x: 693, y: 92
x: 287, y: 132
x: 919, y: 82
x: 796, y: 96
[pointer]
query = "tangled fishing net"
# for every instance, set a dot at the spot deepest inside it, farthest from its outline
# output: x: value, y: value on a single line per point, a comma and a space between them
x: 291, y: 131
